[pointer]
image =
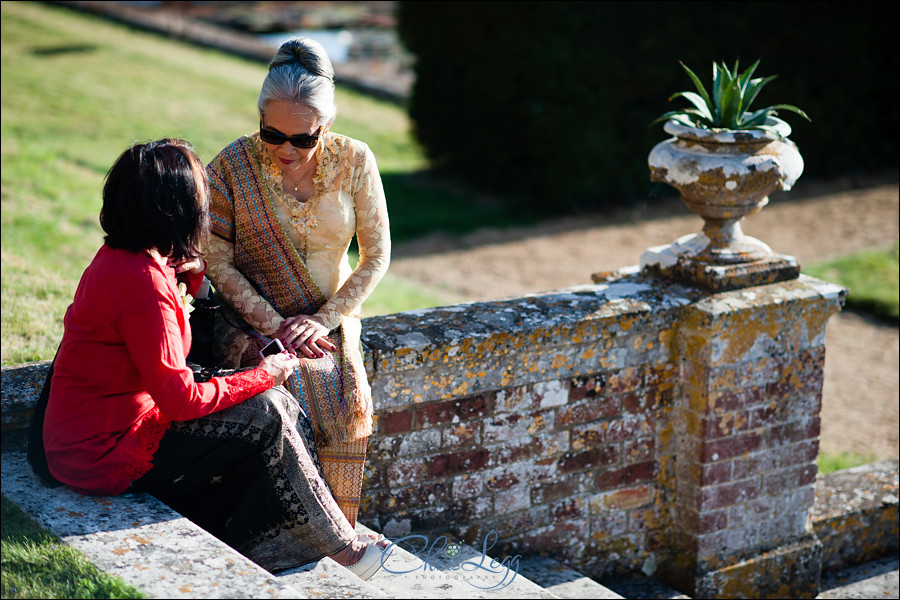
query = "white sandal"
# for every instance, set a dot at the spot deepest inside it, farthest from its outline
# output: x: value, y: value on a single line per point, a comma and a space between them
x: 370, y: 562
x: 366, y: 538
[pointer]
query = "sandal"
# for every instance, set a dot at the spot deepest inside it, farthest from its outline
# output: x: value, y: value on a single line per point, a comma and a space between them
x: 369, y: 564
x: 366, y: 538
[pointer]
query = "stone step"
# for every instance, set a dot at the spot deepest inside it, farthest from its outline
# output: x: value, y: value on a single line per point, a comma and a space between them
x: 140, y: 539
x: 421, y: 567
x: 562, y: 581
x: 152, y: 547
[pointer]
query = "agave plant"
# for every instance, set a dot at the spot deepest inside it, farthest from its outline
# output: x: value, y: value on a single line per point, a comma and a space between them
x: 728, y: 107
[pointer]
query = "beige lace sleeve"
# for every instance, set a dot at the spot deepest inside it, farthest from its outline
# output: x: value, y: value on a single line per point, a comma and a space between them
x: 237, y: 290
x: 374, y: 238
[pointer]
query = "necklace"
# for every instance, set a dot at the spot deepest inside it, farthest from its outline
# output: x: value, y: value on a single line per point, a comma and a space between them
x: 298, y: 180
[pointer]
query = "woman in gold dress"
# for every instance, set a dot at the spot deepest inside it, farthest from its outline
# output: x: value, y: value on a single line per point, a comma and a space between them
x: 286, y: 202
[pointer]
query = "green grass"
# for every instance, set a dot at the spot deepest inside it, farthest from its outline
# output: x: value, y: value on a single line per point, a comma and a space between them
x: 36, y: 564
x: 871, y: 278
x: 829, y: 463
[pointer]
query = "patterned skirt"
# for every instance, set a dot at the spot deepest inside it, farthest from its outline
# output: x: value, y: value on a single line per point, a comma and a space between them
x: 250, y: 475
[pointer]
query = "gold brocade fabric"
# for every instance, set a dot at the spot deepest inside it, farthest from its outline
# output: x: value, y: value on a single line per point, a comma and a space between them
x: 272, y: 257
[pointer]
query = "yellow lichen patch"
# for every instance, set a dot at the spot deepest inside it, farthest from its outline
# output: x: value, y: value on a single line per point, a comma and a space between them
x: 537, y: 425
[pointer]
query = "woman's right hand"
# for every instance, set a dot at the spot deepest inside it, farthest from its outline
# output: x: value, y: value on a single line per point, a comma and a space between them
x: 280, y: 366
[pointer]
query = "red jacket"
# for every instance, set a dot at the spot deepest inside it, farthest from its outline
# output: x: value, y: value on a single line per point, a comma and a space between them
x: 120, y: 375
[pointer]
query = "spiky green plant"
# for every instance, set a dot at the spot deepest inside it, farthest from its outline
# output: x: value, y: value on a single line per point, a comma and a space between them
x: 728, y: 107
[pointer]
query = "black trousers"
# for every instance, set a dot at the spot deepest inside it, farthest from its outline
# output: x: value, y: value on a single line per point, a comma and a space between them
x: 250, y: 476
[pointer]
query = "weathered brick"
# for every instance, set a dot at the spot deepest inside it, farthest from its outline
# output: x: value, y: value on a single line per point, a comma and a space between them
x: 624, y: 499
x: 623, y: 381
x: 563, y: 487
x: 512, y: 500
x: 627, y: 475
x: 590, y: 459
x: 466, y: 485
x: 468, y: 509
x: 640, y: 401
x: 727, y: 541
x: 715, y: 473
x: 574, y: 507
x: 431, y: 494
x: 607, y: 525
x: 796, y: 431
x: 545, y: 394
x: 774, y: 483
x: 398, y: 421
x: 712, y: 521
x: 660, y: 375
x: 514, y: 425
x: 451, y: 411
x: 753, y: 511
x: 514, y: 524
x: 724, y: 424
x: 731, y: 447
x: 589, y: 387
x: 783, y: 527
x: 554, y: 538
x: 639, y: 449
x: 417, y: 442
x: 585, y: 411
x: 728, y: 494
x: 629, y: 427
x: 458, y: 435
x: 737, y: 399
x: 641, y: 520
x: 501, y: 479
x: 445, y: 465
x: 403, y: 472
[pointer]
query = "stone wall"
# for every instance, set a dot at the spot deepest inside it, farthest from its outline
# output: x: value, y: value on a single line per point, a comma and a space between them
x: 632, y: 425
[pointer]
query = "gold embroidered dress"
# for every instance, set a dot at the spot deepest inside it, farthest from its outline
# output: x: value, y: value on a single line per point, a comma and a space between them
x: 271, y: 257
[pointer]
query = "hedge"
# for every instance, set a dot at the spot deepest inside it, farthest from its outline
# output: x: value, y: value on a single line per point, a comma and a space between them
x: 550, y: 101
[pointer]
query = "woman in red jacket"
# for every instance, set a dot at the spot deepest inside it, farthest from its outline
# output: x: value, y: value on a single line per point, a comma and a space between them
x: 124, y: 413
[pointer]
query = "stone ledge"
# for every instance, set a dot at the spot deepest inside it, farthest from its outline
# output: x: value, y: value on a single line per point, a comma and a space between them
x: 141, y: 540
x: 855, y: 514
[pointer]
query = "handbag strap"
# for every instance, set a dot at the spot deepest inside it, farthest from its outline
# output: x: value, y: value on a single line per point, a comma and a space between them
x: 36, y: 453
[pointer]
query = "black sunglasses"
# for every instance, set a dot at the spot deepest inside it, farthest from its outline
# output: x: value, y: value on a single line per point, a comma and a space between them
x: 303, y: 140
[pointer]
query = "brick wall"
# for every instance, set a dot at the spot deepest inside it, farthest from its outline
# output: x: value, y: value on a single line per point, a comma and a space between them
x: 618, y: 426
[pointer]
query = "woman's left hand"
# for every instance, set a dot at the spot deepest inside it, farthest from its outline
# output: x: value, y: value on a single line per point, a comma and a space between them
x: 305, y: 334
x: 194, y: 265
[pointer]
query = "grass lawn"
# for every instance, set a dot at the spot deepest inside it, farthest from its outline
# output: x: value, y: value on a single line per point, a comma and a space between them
x: 872, y: 278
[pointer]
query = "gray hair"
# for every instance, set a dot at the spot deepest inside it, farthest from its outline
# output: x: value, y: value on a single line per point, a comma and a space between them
x: 301, y: 72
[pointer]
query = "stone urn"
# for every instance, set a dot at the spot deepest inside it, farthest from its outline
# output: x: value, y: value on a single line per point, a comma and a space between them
x: 723, y: 176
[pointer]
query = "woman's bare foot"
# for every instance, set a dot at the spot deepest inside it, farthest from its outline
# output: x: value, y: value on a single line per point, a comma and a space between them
x: 351, y: 554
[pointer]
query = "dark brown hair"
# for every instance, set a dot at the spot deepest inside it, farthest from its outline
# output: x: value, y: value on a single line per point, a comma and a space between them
x: 156, y: 196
